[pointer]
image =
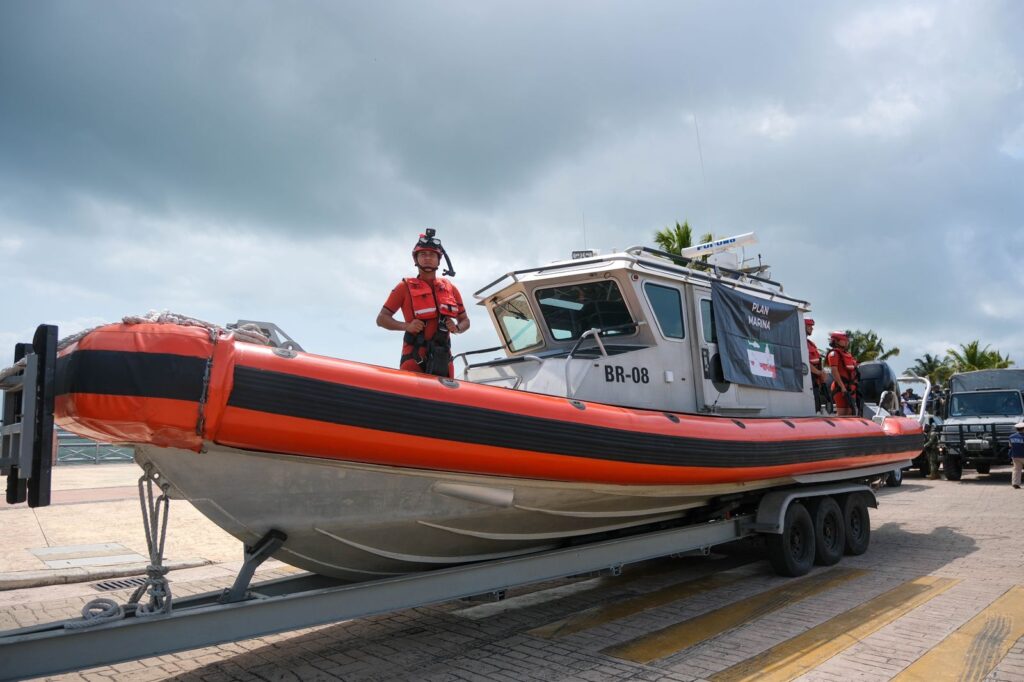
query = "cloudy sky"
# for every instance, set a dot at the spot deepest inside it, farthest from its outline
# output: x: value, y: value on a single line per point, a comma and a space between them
x: 276, y: 160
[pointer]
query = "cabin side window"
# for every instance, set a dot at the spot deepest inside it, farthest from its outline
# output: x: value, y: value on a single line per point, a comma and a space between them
x: 707, y: 320
x: 667, y: 304
x: 572, y: 309
x: 517, y: 324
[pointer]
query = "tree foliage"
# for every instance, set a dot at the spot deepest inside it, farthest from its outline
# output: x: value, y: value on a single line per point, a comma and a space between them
x: 937, y: 370
x: 678, y: 237
x: 971, y: 356
x: 865, y: 346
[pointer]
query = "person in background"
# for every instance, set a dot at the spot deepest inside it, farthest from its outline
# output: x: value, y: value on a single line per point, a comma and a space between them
x: 844, y: 373
x: 814, y: 362
x: 432, y: 309
x: 1017, y: 453
x: 931, y: 448
x: 905, y: 398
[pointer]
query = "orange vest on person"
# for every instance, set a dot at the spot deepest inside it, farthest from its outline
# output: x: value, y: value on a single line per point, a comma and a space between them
x: 813, y: 358
x: 428, y: 300
x: 845, y: 364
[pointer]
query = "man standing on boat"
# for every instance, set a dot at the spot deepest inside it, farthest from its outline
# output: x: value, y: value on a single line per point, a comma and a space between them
x: 814, y: 361
x: 432, y: 309
x: 844, y: 373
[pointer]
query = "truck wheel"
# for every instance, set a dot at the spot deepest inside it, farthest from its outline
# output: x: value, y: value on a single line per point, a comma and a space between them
x: 983, y: 468
x: 829, y: 531
x: 953, y: 468
x: 857, y: 524
x: 791, y: 552
x: 895, y: 478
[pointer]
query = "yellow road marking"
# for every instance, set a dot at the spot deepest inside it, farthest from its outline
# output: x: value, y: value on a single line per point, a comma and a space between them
x: 673, y: 638
x: 802, y: 653
x: 603, y: 614
x: 973, y: 651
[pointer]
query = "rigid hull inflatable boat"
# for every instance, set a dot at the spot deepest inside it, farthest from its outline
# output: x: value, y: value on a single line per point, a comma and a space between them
x: 612, y: 411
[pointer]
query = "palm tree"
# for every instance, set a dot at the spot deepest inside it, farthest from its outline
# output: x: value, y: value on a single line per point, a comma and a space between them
x: 675, y: 239
x: 971, y: 356
x: 865, y: 346
x: 936, y: 369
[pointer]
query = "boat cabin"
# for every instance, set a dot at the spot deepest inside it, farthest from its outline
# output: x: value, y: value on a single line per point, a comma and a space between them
x: 638, y: 328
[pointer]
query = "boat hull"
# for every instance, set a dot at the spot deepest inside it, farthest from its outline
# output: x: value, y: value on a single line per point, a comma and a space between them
x: 372, y: 471
x: 358, y: 522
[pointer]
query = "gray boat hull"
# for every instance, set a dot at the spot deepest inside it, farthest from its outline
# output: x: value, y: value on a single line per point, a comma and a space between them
x: 359, y: 522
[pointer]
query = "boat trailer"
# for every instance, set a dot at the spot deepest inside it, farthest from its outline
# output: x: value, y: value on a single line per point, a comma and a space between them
x: 114, y: 634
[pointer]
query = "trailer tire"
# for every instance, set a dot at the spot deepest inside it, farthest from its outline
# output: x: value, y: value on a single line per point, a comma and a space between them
x: 829, y: 531
x: 895, y: 478
x: 924, y: 467
x: 856, y: 524
x: 953, y: 468
x: 791, y: 552
x: 983, y: 468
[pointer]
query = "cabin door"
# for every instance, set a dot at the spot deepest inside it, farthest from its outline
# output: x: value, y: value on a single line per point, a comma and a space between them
x: 673, y: 378
x: 715, y: 394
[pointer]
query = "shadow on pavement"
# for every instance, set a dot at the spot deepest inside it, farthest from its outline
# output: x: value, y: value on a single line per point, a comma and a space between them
x: 430, y: 643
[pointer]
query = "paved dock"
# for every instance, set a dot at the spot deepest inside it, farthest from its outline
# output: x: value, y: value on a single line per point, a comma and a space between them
x: 939, y: 595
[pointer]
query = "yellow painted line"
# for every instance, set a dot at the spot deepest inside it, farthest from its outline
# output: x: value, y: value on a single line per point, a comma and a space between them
x: 973, y: 651
x: 802, y: 653
x: 603, y: 614
x: 676, y: 637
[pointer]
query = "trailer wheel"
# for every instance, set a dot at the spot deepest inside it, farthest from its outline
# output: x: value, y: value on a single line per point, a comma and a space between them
x: 895, y: 478
x: 857, y: 525
x: 953, y: 468
x: 829, y: 531
x: 983, y: 468
x: 924, y: 467
x: 791, y: 552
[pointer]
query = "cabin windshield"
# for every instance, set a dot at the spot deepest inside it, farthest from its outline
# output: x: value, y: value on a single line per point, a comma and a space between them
x: 1004, y: 403
x: 572, y: 309
x: 517, y: 324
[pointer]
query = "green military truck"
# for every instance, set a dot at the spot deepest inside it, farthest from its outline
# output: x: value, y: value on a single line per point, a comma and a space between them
x: 980, y: 413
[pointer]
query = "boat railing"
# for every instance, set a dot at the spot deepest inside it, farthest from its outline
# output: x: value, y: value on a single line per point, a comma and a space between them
x: 466, y: 354
x: 676, y: 265
x: 594, y: 333
x: 561, y: 265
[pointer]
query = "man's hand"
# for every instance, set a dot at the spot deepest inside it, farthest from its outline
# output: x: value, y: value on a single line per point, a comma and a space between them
x: 452, y: 325
x: 414, y: 326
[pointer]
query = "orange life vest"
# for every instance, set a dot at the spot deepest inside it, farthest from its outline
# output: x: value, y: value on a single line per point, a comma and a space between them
x: 813, y: 358
x: 845, y: 363
x: 426, y: 300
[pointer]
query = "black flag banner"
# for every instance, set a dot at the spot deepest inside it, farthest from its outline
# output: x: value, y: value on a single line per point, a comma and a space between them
x: 759, y: 340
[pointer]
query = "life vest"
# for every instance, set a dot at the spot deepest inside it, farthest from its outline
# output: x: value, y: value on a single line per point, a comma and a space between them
x: 846, y: 365
x: 427, y: 300
x: 813, y: 357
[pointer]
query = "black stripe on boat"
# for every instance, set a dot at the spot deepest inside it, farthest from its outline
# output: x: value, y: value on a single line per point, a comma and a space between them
x: 145, y: 375
x: 306, y: 398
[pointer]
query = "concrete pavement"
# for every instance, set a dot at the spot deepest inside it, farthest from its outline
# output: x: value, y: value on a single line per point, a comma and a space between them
x: 93, y: 530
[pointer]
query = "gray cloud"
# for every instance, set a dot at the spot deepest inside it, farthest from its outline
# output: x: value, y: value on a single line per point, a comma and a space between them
x: 264, y: 157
